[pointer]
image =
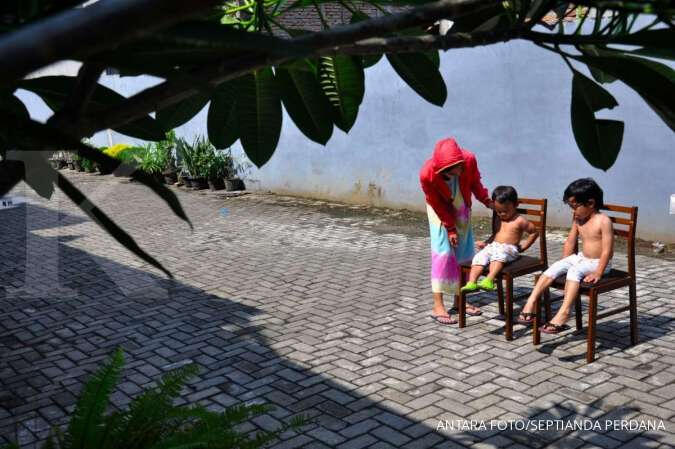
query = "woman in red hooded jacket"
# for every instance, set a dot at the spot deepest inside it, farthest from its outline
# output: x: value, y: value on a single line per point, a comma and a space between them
x: 448, y: 180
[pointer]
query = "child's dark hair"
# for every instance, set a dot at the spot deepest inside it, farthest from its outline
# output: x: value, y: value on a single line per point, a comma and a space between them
x: 583, y: 190
x: 505, y: 194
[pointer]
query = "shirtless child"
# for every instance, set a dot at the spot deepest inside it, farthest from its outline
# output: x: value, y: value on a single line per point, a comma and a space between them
x: 584, y: 196
x: 503, y: 246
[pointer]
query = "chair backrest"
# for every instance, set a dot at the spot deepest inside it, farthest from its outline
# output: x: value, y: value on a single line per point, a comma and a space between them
x: 624, y: 222
x: 534, y: 210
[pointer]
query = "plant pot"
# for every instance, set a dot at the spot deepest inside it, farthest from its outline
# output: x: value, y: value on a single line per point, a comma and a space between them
x: 216, y: 184
x: 90, y: 169
x: 102, y: 170
x: 234, y: 184
x: 199, y: 183
x: 71, y: 165
x: 61, y: 164
x: 78, y: 166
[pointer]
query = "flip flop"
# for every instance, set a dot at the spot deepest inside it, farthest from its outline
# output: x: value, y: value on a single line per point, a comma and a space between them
x: 525, y: 321
x: 550, y: 328
x: 448, y: 320
x: 479, y: 313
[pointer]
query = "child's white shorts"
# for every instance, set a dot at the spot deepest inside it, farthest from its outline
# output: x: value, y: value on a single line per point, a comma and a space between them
x: 499, y: 252
x: 577, y: 266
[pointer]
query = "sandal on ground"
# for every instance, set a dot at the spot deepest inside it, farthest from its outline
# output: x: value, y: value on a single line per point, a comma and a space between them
x: 550, y: 328
x: 474, y: 313
x: 445, y: 320
x: 527, y: 318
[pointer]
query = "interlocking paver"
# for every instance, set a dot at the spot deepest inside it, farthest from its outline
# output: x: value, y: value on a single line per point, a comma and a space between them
x: 314, y: 310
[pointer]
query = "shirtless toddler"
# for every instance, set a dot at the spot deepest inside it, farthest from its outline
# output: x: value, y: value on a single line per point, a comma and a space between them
x: 504, y: 246
x: 585, y: 198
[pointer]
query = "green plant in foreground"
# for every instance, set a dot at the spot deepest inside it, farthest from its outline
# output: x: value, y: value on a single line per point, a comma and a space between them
x: 152, y: 421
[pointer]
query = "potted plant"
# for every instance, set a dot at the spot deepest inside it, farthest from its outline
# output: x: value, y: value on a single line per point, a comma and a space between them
x: 152, y: 161
x: 87, y: 165
x: 167, y: 148
x: 218, y: 165
x: 195, y: 160
x: 77, y: 165
x: 232, y: 180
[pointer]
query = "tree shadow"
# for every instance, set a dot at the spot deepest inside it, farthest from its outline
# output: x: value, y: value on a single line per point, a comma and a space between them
x: 612, y: 334
x: 51, y: 343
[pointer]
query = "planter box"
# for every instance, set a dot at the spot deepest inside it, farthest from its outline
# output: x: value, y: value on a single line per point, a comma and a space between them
x: 216, y: 184
x: 234, y: 184
x: 199, y: 183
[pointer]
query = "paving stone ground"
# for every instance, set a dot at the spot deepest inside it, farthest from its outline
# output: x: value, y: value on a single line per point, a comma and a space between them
x: 281, y: 302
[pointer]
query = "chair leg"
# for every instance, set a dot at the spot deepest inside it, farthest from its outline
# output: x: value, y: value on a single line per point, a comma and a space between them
x: 461, y: 300
x: 509, y: 308
x: 577, y: 312
x: 500, y: 295
x: 536, y: 333
x: 592, y: 316
x: 633, y: 314
x: 547, y: 303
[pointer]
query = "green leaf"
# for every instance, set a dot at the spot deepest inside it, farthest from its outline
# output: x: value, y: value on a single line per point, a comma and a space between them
x: 55, y: 90
x: 433, y: 57
x: 655, y: 53
x: 13, y: 105
x: 366, y: 60
x: 106, y: 223
x: 222, y: 123
x: 305, y: 103
x: 663, y: 38
x: 598, y: 75
x: 259, y: 110
x: 342, y: 81
x: 370, y: 60
x: 653, y: 81
x: 40, y: 176
x: 421, y: 74
x: 11, y: 173
x: 84, y: 429
x: 598, y: 140
x: 176, y: 114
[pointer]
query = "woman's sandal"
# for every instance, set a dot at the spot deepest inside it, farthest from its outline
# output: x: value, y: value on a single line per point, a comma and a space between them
x: 444, y: 320
x: 525, y: 320
x: 550, y: 328
x: 475, y: 313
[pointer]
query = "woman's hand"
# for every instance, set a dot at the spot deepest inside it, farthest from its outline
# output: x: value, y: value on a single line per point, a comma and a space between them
x: 452, y: 238
x: 490, y: 204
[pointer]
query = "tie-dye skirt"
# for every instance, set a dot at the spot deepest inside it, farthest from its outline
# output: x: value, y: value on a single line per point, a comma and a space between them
x: 444, y: 257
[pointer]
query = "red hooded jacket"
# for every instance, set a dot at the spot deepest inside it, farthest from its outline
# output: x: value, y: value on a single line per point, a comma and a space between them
x: 436, y: 191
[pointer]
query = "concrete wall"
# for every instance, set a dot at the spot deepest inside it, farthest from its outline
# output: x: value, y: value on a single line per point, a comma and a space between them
x: 508, y: 103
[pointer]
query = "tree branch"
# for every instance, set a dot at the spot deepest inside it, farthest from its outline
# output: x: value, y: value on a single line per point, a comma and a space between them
x: 174, y: 91
x: 79, y: 32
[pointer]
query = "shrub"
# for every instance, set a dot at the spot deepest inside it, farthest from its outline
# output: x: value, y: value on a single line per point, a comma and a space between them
x: 152, y: 421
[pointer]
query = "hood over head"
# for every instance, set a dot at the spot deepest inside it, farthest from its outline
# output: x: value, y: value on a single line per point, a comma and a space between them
x: 446, y: 154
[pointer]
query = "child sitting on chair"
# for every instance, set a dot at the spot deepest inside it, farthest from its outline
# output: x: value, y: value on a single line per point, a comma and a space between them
x: 504, y: 245
x: 584, y: 196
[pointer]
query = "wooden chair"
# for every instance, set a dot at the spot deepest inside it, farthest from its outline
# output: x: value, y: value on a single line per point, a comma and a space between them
x: 611, y: 281
x: 519, y: 267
